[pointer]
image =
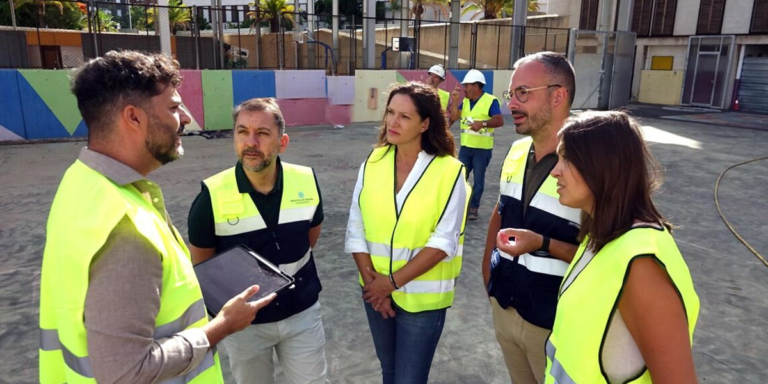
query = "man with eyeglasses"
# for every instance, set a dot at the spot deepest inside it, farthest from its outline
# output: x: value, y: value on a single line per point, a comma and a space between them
x: 524, y: 263
x: 480, y: 113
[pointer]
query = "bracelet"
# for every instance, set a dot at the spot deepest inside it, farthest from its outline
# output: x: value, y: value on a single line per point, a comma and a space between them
x: 544, y: 244
x: 392, y: 280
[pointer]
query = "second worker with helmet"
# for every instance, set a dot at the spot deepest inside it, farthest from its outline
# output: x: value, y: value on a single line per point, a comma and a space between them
x: 480, y: 114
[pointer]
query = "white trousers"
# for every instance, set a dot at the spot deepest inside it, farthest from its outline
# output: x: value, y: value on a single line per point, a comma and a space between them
x: 298, y: 341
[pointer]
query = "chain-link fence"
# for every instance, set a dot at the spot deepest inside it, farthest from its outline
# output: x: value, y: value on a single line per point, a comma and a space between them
x: 249, y: 37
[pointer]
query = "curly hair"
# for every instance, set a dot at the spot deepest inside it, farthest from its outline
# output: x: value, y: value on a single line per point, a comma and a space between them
x: 106, y: 85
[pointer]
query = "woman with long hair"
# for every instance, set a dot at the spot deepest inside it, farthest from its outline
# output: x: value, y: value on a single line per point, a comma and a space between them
x: 405, y: 231
x: 627, y: 307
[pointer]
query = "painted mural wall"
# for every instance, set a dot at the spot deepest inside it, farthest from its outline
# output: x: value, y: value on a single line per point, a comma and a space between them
x: 37, y: 104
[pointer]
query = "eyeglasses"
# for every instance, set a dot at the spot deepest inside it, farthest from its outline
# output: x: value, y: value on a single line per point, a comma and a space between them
x: 521, y: 93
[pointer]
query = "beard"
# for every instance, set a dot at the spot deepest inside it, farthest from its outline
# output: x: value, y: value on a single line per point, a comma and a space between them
x: 266, y: 161
x: 162, y: 141
x: 534, y: 122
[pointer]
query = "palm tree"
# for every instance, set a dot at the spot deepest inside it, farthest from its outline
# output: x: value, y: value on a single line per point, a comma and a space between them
x: 179, y: 16
x: 492, y: 9
x: 41, y: 7
x: 104, y: 22
x: 273, y: 11
x: 440, y: 8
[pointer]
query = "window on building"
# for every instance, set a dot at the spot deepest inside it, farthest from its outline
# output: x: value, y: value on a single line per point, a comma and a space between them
x: 759, y: 17
x: 588, y: 16
x: 664, y: 17
x: 654, y: 17
x: 710, y: 17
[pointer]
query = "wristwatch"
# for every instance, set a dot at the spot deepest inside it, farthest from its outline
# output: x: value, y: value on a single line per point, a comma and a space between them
x: 485, y: 124
x: 544, y: 244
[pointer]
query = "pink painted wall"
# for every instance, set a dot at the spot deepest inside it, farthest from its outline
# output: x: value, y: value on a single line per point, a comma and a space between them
x: 191, y: 92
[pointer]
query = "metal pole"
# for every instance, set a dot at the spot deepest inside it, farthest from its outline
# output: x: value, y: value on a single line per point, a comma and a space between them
x: 606, y: 11
x: 130, y: 18
x: 570, y: 52
x: 519, y: 18
x: 405, y: 13
x: 163, y: 27
x: 369, y: 34
x: 13, y: 15
x: 215, y: 33
x: 453, y: 52
x: 258, y: 35
x: 91, y: 5
x: 335, y: 29
x: 624, y: 21
x: 196, y: 33
x: 221, y: 33
x: 311, y: 51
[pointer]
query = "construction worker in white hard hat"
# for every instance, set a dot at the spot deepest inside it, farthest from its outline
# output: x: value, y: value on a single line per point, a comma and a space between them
x: 435, y: 76
x: 480, y: 114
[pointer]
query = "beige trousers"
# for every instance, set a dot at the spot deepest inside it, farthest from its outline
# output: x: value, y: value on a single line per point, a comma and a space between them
x: 522, y: 344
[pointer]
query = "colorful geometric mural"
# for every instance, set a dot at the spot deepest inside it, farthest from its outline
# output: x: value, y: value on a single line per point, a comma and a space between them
x: 37, y: 104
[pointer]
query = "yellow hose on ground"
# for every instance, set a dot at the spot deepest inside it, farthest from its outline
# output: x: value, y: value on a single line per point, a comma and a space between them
x: 727, y: 223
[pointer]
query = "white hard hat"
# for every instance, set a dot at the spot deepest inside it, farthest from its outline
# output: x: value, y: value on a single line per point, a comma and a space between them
x: 474, y: 76
x: 437, y: 70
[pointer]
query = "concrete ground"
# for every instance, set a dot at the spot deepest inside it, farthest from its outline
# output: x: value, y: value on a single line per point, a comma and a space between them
x: 730, y: 345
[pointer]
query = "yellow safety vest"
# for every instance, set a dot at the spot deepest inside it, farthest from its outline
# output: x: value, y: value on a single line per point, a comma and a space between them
x: 546, y: 198
x: 482, y: 139
x: 586, y: 307
x: 444, y: 98
x: 235, y: 213
x: 393, y: 240
x: 86, y: 208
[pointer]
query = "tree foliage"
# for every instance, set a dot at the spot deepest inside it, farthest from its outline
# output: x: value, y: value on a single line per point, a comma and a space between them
x: 493, y: 9
x: 276, y: 12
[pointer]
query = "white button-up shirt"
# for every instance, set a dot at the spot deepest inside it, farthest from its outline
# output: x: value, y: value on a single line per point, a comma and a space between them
x: 445, y: 236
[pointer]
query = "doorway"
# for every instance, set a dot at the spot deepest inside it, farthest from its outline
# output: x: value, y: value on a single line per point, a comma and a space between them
x: 708, y: 64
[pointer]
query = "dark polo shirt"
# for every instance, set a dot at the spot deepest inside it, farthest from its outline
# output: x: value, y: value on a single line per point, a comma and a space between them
x: 202, y: 233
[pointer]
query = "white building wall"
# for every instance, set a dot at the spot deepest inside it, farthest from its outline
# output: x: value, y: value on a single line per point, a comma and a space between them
x: 573, y: 22
x: 687, y: 17
x: 737, y: 16
x: 556, y: 7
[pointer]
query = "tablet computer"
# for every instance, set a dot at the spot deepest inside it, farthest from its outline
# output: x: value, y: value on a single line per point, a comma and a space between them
x: 229, y: 273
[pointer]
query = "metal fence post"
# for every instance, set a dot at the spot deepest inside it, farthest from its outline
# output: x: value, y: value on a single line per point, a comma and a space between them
x: 13, y: 15
x: 196, y: 34
x: 570, y: 51
x: 453, y: 52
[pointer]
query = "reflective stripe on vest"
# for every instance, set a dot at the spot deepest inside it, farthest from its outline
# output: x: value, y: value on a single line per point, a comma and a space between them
x: 483, y: 138
x: 533, y: 263
x: 49, y: 342
x: 585, y: 307
x: 98, y: 206
x: 557, y: 371
x: 394, y: 239
x: 546, y: 198
x: 235, y: 213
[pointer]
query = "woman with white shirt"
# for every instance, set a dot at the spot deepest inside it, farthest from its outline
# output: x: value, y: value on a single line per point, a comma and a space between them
x: 627, y: 307
x: 405, y: 231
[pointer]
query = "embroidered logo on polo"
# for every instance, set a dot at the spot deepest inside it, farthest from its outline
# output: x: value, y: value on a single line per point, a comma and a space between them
x: 302, y: 199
